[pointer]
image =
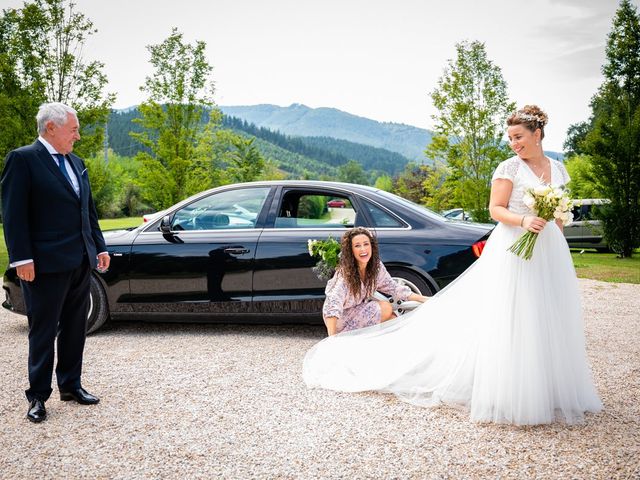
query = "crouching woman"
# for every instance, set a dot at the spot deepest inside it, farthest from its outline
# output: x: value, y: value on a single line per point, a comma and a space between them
x: 349, y: 304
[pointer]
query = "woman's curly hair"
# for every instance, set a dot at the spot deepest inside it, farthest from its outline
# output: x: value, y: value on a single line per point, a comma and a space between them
x: 349, y: 264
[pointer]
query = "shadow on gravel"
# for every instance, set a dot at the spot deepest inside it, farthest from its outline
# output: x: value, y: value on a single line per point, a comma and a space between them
x: 140, y: 328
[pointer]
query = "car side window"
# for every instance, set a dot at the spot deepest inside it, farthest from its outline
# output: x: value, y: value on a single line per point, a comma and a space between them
x: 382, y: 218
x: 577, y: 214
x: 315, y: 210
x: 222, y: 210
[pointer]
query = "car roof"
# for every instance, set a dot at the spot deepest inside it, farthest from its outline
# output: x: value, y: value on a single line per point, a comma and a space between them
x: 284, y: 183
x: 591, y: 201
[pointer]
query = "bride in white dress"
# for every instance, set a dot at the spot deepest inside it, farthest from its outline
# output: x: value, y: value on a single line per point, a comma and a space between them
x: 505, y: 339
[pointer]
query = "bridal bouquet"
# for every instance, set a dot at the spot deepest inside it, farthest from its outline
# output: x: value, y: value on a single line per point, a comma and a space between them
x: 328, y: 254
x: 546, y: 202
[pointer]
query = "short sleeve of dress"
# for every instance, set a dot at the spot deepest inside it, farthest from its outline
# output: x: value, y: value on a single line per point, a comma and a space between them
x: 564, y: 175
x: 335, y: 295
x: 506, y: 169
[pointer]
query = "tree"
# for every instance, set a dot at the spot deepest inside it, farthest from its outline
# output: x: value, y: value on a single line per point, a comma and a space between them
x: 178, y: 121
x: 384, y: 182
x: 240, y: 158
x: 41, y: 59
x: 438, y: 189
x: 352, y: 172
x: 473, y: 105
x: 584, y: 183
x: 19, y: 97
x: 613, y: 139
x: 409, y: 183
x: 575, y: 137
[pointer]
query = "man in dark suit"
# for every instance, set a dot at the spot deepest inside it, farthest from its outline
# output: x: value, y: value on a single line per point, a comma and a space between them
x: 54, y: 240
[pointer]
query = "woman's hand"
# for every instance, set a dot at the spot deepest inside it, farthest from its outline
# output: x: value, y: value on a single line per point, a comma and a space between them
x: 417, y: 298
x: 533, y: 224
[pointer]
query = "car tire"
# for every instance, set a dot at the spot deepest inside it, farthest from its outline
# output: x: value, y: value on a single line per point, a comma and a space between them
x: 98, y: 306
x: 412, y: 280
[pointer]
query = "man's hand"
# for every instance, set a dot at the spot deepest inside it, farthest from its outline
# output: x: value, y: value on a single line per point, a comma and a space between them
x: 103, y: 262
x: 26, y: 272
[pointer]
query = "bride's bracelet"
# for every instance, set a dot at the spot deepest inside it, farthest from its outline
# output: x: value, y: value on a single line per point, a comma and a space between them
x: 522, y: 221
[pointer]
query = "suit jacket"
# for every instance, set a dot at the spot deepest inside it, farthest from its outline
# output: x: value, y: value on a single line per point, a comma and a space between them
x: 43, y: 217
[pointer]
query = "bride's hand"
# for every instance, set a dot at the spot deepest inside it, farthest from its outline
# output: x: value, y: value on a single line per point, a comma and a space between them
x: 533, y: 224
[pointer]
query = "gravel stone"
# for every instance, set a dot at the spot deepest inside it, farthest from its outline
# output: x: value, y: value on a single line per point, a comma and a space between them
x: 227, y: 401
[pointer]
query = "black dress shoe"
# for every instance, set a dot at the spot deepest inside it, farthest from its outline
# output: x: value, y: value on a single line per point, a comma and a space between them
x: 37, y: 412
x: 80, y: 395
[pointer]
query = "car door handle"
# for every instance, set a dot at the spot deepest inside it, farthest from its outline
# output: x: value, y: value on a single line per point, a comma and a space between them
x: 236, y: 251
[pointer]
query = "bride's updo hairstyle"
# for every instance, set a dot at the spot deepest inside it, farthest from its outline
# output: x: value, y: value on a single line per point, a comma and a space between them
x: 531, y: 117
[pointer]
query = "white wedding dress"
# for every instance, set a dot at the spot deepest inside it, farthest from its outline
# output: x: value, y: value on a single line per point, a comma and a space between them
x: 504, y: 340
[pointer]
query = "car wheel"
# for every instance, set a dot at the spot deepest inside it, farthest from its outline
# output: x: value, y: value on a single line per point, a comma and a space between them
x: 98, y: 307
x: 416, y: 283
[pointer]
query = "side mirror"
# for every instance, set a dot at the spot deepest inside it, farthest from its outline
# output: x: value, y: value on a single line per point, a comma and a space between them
x: 165, y: 225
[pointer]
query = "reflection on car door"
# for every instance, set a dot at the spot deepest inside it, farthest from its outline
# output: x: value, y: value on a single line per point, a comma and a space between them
x: 283, y: 279
x: 573, y: 231
x: 206, y: 264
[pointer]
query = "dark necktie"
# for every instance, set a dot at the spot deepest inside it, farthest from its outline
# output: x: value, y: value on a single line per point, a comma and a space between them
x: 63, y: 169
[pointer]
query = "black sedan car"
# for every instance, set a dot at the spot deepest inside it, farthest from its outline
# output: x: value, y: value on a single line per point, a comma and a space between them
x: 241, y: 252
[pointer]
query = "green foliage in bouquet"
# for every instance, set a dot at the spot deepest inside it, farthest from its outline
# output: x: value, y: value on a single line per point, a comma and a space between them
x: 328, y: 254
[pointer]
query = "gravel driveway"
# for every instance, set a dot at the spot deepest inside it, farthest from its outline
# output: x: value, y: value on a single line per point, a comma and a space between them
x: 227, y: 401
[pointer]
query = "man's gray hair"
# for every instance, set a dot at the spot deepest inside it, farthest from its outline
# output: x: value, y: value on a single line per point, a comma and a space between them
x: 55, y: 112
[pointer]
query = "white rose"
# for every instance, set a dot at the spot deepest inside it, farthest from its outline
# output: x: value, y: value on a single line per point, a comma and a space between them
x: 564, y: 204
x: 528, y: 200
x: 541, y: 190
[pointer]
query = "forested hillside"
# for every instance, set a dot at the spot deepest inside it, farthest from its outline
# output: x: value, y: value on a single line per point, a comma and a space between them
x: 332, y: 151
x: 301, y: 121
x: 313, y: 157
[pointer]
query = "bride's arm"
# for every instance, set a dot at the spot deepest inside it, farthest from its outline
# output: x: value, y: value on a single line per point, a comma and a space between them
x: 500, y: 194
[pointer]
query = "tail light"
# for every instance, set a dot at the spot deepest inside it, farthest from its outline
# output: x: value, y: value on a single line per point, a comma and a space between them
x: 478, y: 247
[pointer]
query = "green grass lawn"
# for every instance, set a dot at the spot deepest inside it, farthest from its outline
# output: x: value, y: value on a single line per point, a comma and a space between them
x: 597, y: 266
x: 606, y: 266
x: 116, y: 223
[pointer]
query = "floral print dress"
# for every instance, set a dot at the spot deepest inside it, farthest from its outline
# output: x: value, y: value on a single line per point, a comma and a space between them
x: 360, y: 311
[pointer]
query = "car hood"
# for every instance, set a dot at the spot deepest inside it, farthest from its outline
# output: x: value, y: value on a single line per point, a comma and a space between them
x: 120, y: 237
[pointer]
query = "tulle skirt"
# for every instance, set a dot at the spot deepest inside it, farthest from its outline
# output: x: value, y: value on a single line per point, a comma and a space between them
x: 505, y: 340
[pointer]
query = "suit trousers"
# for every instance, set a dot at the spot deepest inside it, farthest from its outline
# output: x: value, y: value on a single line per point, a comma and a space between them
x: 57, y: 306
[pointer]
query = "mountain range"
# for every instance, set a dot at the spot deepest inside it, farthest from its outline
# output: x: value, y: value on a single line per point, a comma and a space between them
x: 303, y: 121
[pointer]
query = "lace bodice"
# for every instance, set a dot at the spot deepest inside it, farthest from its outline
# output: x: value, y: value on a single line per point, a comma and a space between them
x: 522, y: 177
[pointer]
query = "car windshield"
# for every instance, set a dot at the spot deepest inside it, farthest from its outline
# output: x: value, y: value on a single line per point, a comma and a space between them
x: 413, y: 206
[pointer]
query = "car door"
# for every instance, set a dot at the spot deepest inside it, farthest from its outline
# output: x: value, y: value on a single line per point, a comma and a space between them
x: 205, y: 264
x: 573, y: 232
x: 283, y: 280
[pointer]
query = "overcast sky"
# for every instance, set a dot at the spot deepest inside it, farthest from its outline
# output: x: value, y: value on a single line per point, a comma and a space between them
x: 374, y: 58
